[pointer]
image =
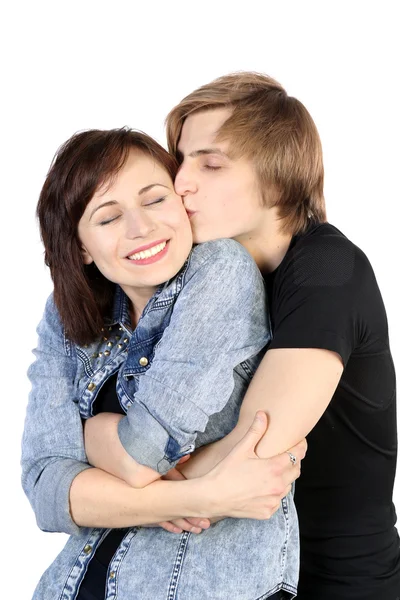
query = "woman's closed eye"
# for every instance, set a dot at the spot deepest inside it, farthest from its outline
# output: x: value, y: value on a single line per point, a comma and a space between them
x: 156, y: 201
x: 110, y: 220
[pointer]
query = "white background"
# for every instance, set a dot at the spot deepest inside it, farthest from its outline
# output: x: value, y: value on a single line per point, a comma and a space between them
x: 68, y: 66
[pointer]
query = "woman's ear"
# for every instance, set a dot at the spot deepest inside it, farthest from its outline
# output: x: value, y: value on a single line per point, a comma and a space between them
x: 87, y: 258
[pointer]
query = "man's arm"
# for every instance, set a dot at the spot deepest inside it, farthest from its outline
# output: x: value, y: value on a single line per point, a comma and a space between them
x: 321, y: 297
x: 300, y: 383
x: 294, y: 387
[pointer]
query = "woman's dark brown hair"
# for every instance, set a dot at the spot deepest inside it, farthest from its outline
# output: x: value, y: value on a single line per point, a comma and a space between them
x: 88, y: 160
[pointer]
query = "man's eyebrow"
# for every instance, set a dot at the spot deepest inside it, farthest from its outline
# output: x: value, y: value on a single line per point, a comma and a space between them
x: 140, y: 193
x: 205, y: 152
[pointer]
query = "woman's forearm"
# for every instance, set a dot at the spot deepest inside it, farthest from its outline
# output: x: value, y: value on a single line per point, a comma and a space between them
x: 240, y: 486
x: 98, y: 499
x: 105, y: 451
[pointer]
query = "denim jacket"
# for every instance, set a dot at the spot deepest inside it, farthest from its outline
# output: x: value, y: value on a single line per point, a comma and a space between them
x: 182, y: 375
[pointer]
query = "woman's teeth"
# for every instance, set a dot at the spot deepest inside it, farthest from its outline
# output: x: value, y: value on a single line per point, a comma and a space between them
x: 149, y: 252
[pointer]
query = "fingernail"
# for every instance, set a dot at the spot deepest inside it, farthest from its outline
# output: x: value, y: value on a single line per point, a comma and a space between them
x: 203, y: 523
x: 195, y: 530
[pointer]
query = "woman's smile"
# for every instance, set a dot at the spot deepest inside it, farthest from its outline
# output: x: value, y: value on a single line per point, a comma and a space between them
x: 149, y: 254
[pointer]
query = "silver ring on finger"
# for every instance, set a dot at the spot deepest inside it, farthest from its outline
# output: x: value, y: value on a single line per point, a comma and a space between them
x: 292, y: 457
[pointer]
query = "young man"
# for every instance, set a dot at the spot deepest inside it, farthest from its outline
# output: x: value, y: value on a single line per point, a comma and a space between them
x: 251, y: 169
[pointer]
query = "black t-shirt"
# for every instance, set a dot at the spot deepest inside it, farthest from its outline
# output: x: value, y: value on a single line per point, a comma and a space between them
x: 324, y: 295
x: 107, y: 399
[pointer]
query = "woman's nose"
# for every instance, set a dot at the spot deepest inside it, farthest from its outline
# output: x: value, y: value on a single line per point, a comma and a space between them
x: 140, y: 224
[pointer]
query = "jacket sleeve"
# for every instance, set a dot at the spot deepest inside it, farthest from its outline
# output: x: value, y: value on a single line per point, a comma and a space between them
x: 53, y: 452
x: 219, y: 320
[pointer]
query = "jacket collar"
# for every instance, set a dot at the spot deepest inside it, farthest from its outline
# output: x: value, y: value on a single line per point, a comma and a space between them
x: 120, y: 311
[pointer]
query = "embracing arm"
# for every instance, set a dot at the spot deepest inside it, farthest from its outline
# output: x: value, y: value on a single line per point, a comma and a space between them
x: 293, y: 386
x: 66, y: 493
x: 56, y: 476
x: 318, y: 324
x: 97, y: 499
x: 53, y: 452
x: 297, y: 384
x: 105, y: 451
x: 239, y: 487
x: 191, y: 375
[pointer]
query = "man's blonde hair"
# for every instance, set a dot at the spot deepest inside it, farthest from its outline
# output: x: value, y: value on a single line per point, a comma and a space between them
x: 275, y: 131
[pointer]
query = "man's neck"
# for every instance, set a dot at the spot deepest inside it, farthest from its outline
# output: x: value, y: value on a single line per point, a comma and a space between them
x: 267, y: 246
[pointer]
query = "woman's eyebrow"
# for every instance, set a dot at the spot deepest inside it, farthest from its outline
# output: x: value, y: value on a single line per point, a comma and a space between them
x: 149, y: 187
x: 109, y: 203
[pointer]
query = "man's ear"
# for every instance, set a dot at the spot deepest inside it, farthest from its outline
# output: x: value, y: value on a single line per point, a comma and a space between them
x: 87, y: 258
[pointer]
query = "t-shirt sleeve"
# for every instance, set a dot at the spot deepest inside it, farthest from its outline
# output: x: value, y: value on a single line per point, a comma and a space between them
x: 320, y: 295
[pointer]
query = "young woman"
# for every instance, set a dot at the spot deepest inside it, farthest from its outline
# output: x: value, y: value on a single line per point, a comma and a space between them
x: 174, y: 335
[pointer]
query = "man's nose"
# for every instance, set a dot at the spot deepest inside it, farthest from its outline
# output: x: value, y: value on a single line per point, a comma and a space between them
x: 185, y: 183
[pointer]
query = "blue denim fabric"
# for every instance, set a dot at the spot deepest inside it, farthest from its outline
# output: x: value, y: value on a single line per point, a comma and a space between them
x: 203, y: 334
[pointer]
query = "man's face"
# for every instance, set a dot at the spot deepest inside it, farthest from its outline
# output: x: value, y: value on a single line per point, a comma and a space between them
x: 220, y: 194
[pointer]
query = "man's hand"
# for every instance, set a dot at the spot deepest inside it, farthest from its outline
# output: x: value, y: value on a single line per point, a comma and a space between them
x: 245, y: 486
x: 271, y: 481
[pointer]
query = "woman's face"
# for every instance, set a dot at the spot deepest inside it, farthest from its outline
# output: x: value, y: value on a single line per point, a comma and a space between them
x: 136, y: 230
x: 220, y: 194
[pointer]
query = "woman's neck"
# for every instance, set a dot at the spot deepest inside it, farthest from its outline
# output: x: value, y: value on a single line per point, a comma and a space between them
x: 138, y: 297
